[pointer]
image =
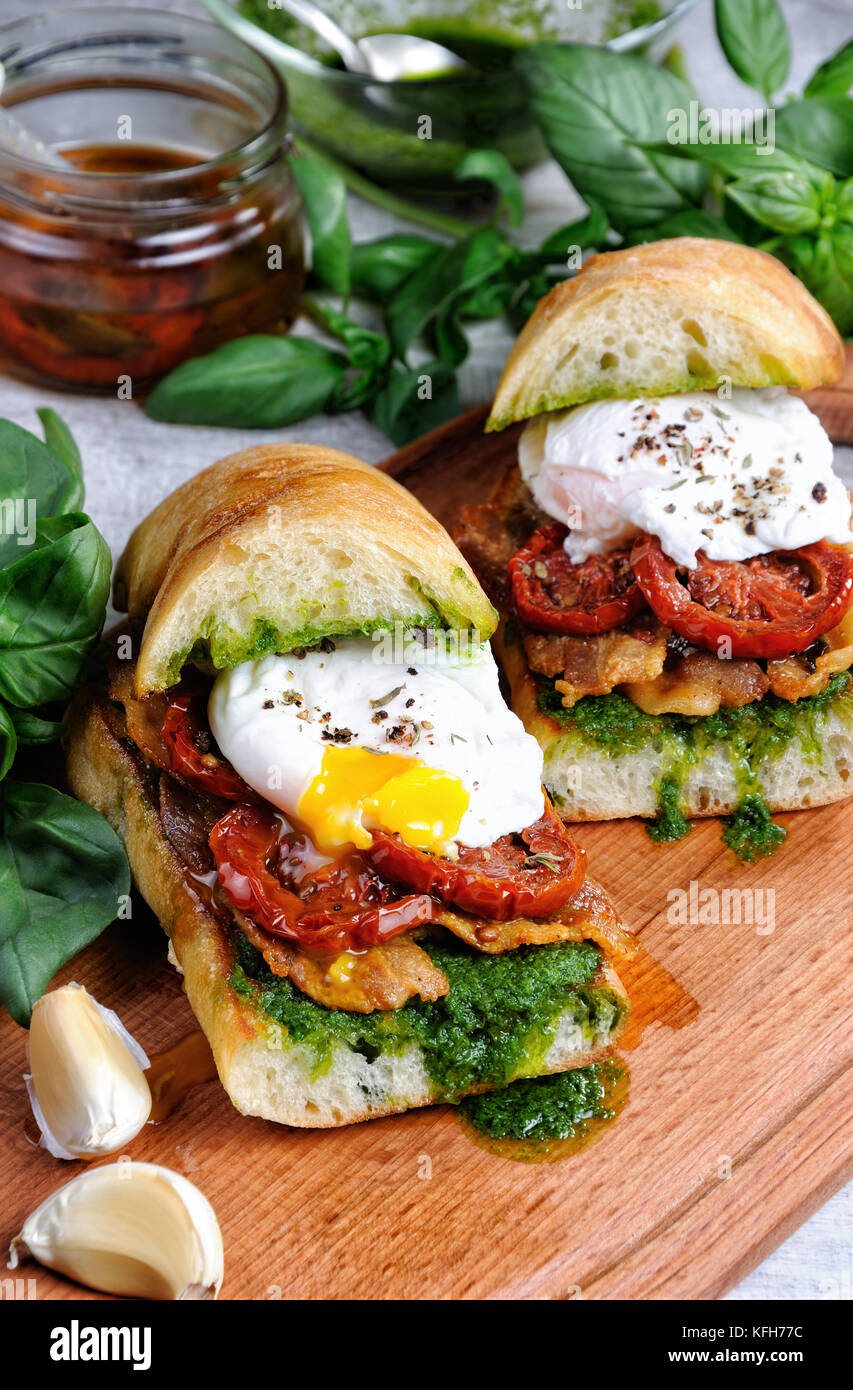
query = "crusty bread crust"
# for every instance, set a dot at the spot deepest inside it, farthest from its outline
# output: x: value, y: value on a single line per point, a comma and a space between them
x: 668, y: 316
x: 286, y: 541
x: 262, y: 1071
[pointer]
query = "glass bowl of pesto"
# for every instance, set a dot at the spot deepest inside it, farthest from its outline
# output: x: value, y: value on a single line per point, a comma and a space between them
x: 412, y: 134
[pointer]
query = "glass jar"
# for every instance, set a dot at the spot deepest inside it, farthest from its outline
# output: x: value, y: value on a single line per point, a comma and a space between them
x: 176, y: 224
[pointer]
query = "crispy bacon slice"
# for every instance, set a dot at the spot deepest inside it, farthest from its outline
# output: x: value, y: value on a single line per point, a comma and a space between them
x: 589, y: 916
x: 381, y: 977
x: 597, y: 665
x: 794, y: 677
x: 699, y: 683
x: 144, y: 718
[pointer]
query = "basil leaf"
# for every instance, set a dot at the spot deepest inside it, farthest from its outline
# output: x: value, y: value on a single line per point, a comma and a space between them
x: 587, y: 232
x: 404, y: 412
x: 819, y: 130
x: 31, y: 730
x: 529, y: 296
x: 52, y: 605
x: 597, y: 110
x: 324, y: 196
x: 494, y: 168
x: 58, y: 438
x: 366, y: 348
x: 494, y: 294
x: 257, y: 382
x: 834, y: 78
x: 485, y: 293
x: 8, y: 741
x: 433, y: 290
x: 18, y: 523
x: 755, y: 39
x: 691, y: 222
x: 30, y: 471
x: 784, y: 202
x: 63, y: 870
x: 369, y: 357
x: 379, y: 268
x: 744, y: 160
x: 825, y: 266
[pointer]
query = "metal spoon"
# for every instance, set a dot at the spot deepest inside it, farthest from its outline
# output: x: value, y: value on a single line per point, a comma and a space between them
x: 387, y: 57
x: 17, y: 139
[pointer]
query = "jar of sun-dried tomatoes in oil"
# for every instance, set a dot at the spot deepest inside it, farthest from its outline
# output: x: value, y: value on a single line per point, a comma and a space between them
x: 171, y: 222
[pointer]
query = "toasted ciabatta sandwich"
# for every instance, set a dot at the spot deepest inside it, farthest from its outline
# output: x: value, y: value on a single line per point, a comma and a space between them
x: 671, y: 552
x: 328, y: 805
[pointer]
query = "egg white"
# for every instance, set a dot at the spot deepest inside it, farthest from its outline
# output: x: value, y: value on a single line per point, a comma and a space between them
x: 269, y: 718
x: 734, y: 477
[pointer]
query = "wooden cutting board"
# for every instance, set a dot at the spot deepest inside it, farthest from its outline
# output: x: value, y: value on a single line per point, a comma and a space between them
x: 737, y: 1127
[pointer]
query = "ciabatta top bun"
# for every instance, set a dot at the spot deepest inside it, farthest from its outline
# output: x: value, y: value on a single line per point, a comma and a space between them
x: 664, y: 317
x: 278, y: 546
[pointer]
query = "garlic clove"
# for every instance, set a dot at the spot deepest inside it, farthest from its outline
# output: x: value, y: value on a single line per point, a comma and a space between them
x: 85, y: 1082
x: 133, y: 1229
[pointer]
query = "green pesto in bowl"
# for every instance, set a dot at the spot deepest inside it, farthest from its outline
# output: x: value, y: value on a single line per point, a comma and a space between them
x: 380, y: 128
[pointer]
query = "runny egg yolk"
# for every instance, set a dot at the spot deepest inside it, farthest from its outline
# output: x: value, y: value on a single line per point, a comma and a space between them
x: 355, y: 789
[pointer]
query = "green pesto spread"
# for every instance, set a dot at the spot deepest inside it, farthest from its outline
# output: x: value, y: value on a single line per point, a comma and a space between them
x: 546, y: 1108
x: 221, y: 647
x: 754, y: 734
x: 498, y: 1018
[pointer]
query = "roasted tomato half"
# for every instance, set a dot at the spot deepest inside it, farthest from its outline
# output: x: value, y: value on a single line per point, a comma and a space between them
x: 532, y: 874
x: 765, y: 607
x: 192, y: 752
x: 344, y: 905
x: 554, y: 595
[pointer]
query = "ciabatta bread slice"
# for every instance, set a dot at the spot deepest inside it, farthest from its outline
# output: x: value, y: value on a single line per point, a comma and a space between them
x: 678, y: 315
x: 278, y: 546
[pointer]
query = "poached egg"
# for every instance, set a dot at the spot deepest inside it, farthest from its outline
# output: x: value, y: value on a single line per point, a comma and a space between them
x: 733, y: 477
x: 342, y: 742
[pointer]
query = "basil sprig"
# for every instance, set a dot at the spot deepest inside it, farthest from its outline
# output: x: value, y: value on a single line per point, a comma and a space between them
x: 605, y: 115
x: 63, y: 869
x: 607, y: 119
x: 425, y: 292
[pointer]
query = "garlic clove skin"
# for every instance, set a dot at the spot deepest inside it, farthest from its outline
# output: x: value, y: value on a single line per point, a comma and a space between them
x: 133, y: 1229
x: 85, y: 1081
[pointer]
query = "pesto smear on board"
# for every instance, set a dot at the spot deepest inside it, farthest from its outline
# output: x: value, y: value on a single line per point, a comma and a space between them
x: 546, y: 1109
x: 754, y: 734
